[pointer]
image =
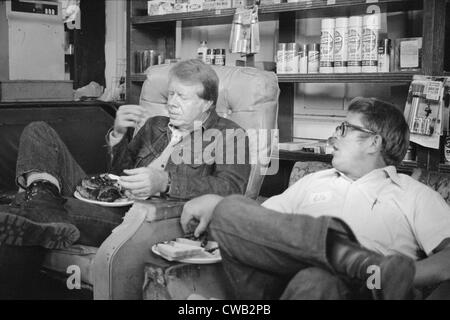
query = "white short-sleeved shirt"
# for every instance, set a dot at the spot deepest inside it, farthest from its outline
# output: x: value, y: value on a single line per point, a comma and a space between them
x: 388, y: 212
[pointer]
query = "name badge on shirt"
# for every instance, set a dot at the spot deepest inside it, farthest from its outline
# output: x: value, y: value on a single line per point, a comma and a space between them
x: 319, y: 197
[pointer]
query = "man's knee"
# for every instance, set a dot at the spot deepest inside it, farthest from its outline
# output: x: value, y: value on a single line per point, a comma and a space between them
x: 315, y: 284
x: 226, y: 212
x: 36, y: 130
x: 36, y: 126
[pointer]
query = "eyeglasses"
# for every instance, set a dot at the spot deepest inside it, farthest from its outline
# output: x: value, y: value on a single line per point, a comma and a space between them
x: 342, y: 129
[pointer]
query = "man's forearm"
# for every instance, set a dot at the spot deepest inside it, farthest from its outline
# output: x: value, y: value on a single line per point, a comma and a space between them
x: 434, y: 269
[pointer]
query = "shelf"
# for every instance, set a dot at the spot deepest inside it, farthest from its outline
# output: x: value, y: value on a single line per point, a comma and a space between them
x: 206, y: 14
x: 302, y: 156
x: 266, y: 9
x: 404, y: 167
x: 389, y: 77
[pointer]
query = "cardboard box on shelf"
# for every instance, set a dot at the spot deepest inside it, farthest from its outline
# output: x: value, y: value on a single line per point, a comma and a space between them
x: 195, y: 5
x: 223, y: 4
x: 158, y: 7
x: 180, y: 7
x: 209, y: 5
x: 36, y: 90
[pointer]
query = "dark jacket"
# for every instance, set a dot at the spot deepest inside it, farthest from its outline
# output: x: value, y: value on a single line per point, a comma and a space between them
x: 200, y: 174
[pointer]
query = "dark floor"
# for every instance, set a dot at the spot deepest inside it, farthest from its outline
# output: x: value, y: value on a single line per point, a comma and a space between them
x: 43, y: 288
x: 21, y: 277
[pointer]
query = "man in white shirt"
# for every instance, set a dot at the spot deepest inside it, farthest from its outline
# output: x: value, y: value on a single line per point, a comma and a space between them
x: 288, y: 248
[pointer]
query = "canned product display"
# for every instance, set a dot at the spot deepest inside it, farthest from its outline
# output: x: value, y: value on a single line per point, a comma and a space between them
x: 340, y: 45
x: 327, y: 46
x: 371, y: 28
x: 354, y: 44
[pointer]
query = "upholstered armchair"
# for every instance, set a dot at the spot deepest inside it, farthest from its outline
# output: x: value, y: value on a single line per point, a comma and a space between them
x: 115, y: 270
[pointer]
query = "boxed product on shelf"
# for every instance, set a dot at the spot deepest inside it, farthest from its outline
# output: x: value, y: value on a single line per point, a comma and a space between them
x: 238, y: 3
x: 408, y: 54
x: 195, y: 5
x: 158, y: 7
x: 223, y: 4
x: 209, y: 5
x: 180, y: 7
x: 268, y: 2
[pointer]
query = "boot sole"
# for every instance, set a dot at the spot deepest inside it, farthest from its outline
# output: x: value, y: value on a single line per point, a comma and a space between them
x: 397, y: 277
x: 19, y: 231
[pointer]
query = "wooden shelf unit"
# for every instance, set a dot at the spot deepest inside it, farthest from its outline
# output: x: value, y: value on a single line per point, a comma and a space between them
x: 159, y: 32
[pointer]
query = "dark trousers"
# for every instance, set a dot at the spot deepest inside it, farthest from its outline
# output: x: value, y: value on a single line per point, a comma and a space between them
x: 42, y: 150
x: 270, y: 255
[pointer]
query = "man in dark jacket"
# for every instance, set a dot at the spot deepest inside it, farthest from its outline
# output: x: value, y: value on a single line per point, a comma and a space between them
x: 168, y: 155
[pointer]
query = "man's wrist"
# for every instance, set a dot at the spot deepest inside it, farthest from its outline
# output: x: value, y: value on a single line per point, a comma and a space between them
x: 117, y: 135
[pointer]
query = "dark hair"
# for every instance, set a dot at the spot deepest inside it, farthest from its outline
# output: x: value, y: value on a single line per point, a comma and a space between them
x: 386, y: 120
x: 195, y: 71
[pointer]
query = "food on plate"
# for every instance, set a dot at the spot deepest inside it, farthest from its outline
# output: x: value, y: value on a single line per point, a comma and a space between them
x: 195, y: 243
x: 173, y: 250
x: 101, y: 187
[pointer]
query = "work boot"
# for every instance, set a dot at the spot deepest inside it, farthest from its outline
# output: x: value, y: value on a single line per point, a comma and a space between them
x: 357, y: 263
x: 37, y: 217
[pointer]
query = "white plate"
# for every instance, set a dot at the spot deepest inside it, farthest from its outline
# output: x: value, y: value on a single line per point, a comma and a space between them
x: 121, y: 203
x: 201, y: 258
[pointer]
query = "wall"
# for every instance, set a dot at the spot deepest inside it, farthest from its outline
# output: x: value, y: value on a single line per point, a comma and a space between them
x: 115, y: 42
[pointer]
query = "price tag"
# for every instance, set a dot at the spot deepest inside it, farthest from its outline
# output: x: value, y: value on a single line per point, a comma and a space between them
x: 433, y: 90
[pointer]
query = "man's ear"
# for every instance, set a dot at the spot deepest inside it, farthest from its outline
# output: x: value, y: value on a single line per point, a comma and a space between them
x: 377, y: 143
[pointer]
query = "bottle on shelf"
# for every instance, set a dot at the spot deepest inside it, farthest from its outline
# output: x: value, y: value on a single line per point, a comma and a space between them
x: 209, y: 59
x: 384, y: 55
x: 202, y: 50
x: 219, y: 57
x: 313, y: 57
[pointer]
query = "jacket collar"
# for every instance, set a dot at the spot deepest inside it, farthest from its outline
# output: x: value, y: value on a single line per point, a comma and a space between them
x: 207, y: 124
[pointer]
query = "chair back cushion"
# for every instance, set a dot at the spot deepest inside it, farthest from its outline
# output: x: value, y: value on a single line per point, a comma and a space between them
x: 248, y: 96
x: 439, y: 182
x: 302, y: 169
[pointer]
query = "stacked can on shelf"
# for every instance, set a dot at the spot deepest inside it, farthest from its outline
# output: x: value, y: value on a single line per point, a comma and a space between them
x: 327, y: 46
x: 340, y: 45
x: 369, y: 47
x: 347, y: 44
x: 354, y: 44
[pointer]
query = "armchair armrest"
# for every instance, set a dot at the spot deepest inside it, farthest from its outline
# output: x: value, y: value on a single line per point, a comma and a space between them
x: 120, y: 260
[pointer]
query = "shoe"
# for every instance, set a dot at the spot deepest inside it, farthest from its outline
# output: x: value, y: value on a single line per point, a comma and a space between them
x: 357, y: 263
x: 37, y: 218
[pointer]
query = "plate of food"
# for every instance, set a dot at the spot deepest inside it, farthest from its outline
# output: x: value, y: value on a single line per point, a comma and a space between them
x: 102, y: 189
x: 188, y: 251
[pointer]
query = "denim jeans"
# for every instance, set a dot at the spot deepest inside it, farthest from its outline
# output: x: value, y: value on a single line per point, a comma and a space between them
x: 271, y: 255
x: 42, y: 150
